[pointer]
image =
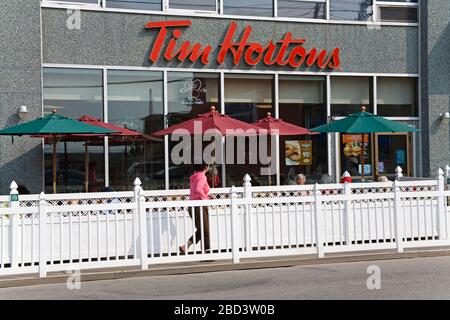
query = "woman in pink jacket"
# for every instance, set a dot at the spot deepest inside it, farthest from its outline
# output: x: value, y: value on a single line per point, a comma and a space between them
x: 199, y: 191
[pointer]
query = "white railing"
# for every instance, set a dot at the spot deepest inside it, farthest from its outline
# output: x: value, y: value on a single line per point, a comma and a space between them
x: 57, y: 232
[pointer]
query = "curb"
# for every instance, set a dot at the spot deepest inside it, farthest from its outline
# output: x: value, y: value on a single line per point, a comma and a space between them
x: 33, y: 280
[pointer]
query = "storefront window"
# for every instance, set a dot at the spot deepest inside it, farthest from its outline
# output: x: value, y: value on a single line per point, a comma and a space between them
x: 248, y: 98
x: 74, y: 93
x: 262, y: 8
x: 133, y: 4
x: 75, y: 1
x: 348, y: 94
x: 353, y: 10
x: 398, y: 14
x: 189, y: 94
x: 301, y: 9
x: 201, y: 5
x: 135, y: 102
x: 302, y: 102
x: 397, y: 97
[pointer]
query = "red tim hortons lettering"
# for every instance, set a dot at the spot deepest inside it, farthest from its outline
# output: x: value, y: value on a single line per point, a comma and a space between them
x: 287, y: 51
x: 185, y: 51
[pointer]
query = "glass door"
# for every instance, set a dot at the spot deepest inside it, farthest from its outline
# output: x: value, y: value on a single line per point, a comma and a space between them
x: 351, y: 150
x: 392, y: 150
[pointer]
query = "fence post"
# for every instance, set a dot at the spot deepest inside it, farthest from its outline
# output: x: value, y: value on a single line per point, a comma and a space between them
x: 398, y: 217
x: 234, y: 226
x: 347, y: 208
x: 441, y: 205
x: 398, y: 173
x: 140, y: 224
x: 43, y: 235
x: 14, y: 235
x: 319, y: 220
x: 247, y: 210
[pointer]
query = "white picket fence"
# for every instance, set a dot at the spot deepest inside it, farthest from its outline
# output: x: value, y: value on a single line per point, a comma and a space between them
x: 58, y: 232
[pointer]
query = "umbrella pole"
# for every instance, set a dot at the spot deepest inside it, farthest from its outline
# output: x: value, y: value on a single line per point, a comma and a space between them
x: 86, y: 167
x: 214, y: 168
x: 126, y: 165
x: 270, y: 162
x: 362, y: 157
x: 54, y: 164
x: 66, y: 174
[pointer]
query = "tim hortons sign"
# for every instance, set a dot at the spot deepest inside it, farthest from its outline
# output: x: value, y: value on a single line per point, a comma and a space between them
x: 288, y: 51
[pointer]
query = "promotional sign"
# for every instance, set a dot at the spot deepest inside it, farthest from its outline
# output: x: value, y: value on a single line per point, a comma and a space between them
x: 288, y: 51
x: 348, y: 138
x: 367, y: 169
x: 381, y: 167
x: 298, y: 152
x: 400, y: 157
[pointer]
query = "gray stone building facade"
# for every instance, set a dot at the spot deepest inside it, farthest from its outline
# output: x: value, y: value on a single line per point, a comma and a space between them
x: 37, y: 36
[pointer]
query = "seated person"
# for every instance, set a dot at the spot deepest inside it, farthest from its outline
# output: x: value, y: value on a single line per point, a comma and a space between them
x: 301, y: 179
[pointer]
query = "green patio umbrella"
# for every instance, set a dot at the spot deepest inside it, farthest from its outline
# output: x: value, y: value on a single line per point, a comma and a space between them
x: 363, y: 123
x: 54, y: 125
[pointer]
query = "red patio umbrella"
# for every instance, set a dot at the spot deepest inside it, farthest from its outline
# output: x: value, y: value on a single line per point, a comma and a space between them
x: 280, y: 127
x: 212, y: 120
x: 120, y: 136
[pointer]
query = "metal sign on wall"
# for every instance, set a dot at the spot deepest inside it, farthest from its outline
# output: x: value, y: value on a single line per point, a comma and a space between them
x: 288, y: 51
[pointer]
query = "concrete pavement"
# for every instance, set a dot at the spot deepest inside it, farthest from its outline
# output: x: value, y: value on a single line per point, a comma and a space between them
x: 418, y: 278
x: 215, y: 266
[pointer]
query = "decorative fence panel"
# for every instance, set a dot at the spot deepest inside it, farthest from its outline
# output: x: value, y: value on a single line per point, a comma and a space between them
x: 44, y: 233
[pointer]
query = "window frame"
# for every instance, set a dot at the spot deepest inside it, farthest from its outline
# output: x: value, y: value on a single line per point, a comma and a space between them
x: 74, y: 3
x: 379, y: 4
x: 167, y: 9
x: 219, y: 13
x: 326, y: 9
x: 332, y: 140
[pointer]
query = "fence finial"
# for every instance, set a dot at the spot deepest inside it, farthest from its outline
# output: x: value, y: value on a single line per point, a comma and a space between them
x: 42, y: 195
x: 447, y: 173
x: 13, y: 187
x: 137, y: 182
x: 447, y: 170
x: 398, y: 172
x: 247, y: 178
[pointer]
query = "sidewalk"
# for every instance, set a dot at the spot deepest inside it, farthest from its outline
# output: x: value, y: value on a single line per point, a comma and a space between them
x: 215, y: 266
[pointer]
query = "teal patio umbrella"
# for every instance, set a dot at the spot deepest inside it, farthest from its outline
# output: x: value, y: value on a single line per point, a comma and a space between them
x: 54, y: 125
x: 362, y: 123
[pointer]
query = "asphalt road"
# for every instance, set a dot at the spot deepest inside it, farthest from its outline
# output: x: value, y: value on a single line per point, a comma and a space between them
x: 422, y: 278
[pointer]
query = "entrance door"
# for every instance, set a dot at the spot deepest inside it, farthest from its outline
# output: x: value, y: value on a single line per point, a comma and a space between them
x: 351, y: 150
x: 392, y: 150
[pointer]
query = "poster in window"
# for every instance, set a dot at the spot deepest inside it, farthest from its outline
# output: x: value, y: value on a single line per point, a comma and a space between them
x: 400, y: 157
x: 367, y: 169
x: 298, y: 152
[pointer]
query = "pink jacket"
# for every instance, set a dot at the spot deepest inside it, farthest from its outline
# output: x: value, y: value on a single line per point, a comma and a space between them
x: 199, y: 186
